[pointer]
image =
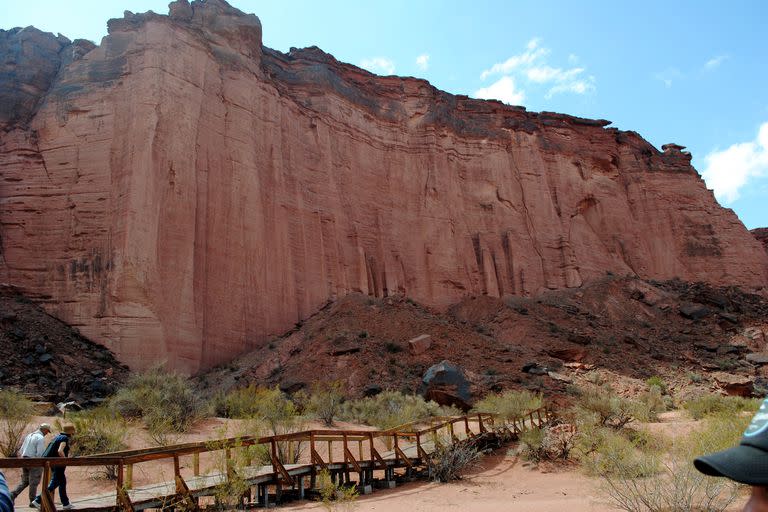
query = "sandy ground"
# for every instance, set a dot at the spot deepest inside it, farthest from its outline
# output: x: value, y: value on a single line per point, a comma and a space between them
x: 502, y: 481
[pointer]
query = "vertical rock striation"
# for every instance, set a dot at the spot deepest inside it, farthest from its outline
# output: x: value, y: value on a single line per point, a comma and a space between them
x: 182, y: 193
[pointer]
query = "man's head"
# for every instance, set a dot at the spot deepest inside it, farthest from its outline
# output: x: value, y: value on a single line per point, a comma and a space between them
x: 45, y: 428
x: 69, y: 430
x: 747, y: 462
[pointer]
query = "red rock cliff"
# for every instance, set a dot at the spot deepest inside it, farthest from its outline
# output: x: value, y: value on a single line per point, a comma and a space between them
x: 182, y: 193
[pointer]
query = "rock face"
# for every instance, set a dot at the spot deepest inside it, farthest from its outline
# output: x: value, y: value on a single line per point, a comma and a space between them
x: 762, y: 235
x: 182, y: 193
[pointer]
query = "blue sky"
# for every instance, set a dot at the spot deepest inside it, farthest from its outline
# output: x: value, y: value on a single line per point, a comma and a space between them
x: 690, y: 72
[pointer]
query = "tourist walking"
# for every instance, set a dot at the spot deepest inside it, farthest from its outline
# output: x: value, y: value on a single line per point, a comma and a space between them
x: 33, y: 446
x: 59, y: 447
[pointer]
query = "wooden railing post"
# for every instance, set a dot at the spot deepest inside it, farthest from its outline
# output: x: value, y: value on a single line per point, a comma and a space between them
x: 196, y: 464
x: 330, y: 452
x: 46, y: 499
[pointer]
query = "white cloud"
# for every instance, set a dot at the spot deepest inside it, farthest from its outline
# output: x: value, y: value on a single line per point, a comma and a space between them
x: 531, y: 54
x: 422, y: 61
x: 504, y: 89
x: 714, y: 62
x: 575, y: 86
x: 531, y: 69
x: 379, y: 65
x: 728, y: 171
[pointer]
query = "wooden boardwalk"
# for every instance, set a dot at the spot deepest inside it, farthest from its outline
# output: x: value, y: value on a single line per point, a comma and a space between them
x: 360, y: 457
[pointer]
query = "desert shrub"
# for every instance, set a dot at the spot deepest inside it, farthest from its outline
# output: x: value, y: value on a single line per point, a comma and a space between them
x: 392, y: 408
x: 678, y: 486
x: 657, y: 382
x: 607, y: 408
x: 335, y: 496
x: 532, y: 444
x: 712, y: 404
x: 610, y: 454
x: 167, y: 403
x: 325, y: 401
x: 270, y: 412
x: 650, y: 405
x: 99, y: 430
x: 15, y: 413
x: 448, y: 460
x: 510, y: 404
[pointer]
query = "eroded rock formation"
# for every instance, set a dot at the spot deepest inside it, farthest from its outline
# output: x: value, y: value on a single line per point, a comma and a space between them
x: 182, y: 193
x: 762, y: 235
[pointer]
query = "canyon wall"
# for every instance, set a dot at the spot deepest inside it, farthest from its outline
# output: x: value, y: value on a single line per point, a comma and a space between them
x: 181, y: 193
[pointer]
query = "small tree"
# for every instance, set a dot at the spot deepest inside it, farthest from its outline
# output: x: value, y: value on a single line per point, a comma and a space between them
x: 167, y: 402
x: 325, y: 401
x: 269, y: 410
x: 15, y: 414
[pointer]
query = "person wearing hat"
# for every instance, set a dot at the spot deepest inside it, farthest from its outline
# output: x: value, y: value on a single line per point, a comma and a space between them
x: 33, y: 446
x: 746, y: 463
x: 59, y: 447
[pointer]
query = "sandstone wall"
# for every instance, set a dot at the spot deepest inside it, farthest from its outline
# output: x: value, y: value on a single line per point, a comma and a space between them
x: 180, y: 193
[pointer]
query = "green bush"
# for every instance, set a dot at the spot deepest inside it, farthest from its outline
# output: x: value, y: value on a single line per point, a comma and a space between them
x: 651, y: 404
x: 15, y: 413
x: 712, y: 404
x: 325, y: 401
x: 167, y: 402
x: 607, y: 408
x: 658, y: 382
x: 677, y: 486
x: 510, y: 404
x: 99, y: 430
x: 392, y: 408
x: 270, y: 412
x: 612, y: 454
x: 335, y: 496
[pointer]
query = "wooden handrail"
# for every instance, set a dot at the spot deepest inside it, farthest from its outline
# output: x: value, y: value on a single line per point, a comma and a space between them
x: 124, y: 460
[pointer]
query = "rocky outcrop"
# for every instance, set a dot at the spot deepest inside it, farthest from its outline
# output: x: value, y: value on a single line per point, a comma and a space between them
x: 182, y: 193
x: 762, y: 235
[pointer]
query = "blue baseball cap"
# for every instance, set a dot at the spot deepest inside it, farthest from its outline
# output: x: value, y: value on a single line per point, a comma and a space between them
x: 746, y: 463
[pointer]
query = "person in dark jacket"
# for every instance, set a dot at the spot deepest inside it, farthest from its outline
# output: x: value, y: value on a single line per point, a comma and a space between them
x: 6, y: 503
x: 746, y: 463
x: 59, y: 447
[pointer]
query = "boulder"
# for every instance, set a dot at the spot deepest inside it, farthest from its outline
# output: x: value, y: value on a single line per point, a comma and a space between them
x: 573, y: 354
x: 419, y: 344
x: 535, y: 369
x: 759, y: 358
x: 446, y: 384
x: 694, y: 311
x: 735, y: 385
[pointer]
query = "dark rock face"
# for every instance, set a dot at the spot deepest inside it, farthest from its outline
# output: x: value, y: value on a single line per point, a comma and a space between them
x: 446, y: 384
x: 29, y: 61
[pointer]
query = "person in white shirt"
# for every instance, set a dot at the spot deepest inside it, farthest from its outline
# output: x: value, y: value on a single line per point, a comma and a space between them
x: 33, y: 446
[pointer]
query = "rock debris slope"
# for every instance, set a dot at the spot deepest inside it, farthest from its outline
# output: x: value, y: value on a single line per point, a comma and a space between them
x: 182, y: 193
